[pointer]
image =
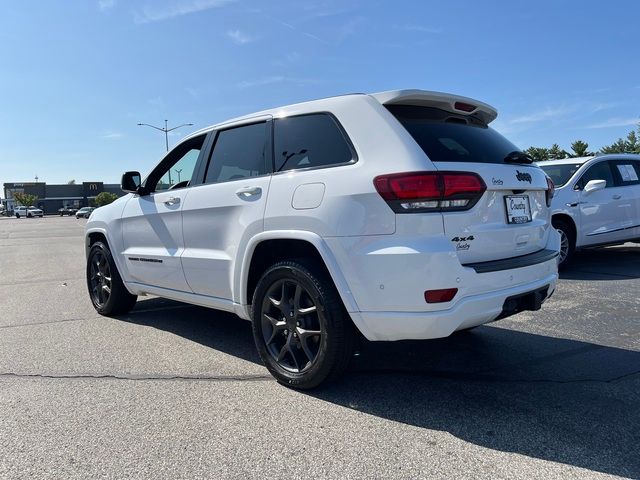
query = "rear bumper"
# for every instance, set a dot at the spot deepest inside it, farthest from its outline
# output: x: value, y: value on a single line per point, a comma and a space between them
x: 468, y: 312
x: 388, y: 276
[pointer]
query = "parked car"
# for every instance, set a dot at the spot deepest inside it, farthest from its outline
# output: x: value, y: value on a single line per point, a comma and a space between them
x: 67, y: 211
x: 597, y: 201
x: 28, y: 212
x: 85, y: 212
x: 400, y: 214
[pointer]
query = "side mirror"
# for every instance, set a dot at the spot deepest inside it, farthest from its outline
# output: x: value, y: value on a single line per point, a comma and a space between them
x: 594, y: 186
x: 131, y: 182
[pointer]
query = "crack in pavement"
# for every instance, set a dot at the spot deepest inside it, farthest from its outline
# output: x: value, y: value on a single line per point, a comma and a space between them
x: 211, y: 378
x: 47, y: 322
x: 266, y: 377
x: 40, y: 281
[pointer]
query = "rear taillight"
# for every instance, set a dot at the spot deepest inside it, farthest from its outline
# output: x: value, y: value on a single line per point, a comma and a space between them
x: 551, y: 190
x: 430, y: 191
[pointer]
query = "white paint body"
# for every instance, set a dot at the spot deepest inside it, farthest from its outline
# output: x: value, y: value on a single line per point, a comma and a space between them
x: 381, y: 262
x: 602, y: 217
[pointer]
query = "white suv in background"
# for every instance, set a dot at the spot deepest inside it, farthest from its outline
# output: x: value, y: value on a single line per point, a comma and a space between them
x: 597, y: 201
x: 28, y: 212
x: 401, y: 214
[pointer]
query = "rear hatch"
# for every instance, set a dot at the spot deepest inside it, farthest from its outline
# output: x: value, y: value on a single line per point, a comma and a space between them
x: 510, y: 216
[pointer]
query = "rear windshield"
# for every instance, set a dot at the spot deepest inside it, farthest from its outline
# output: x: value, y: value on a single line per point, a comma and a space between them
x: 447, y: 137
x: 560, y: 174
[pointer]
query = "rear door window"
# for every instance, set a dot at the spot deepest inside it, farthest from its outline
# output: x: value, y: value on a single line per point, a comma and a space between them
x: 238, y: 153
x: 448, y: 137
x: 309, y: 141
x: 627, y: 172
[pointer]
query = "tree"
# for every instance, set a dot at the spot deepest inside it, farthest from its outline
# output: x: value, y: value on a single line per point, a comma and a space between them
x: 538, y: 153
x: 555, y: 152
x: 630, y: 145
x: 25, y: 199
x: 71, y: 182
x: 580, y: 149
x: 105, y: 198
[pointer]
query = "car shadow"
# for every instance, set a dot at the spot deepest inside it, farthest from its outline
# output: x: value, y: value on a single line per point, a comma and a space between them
x: 549, y: 398
x: 610, y: 263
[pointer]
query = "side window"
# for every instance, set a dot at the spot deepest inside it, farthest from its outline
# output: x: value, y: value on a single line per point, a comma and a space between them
x: 599, y: 171
x: 238, y: 153
x: 309, y: 141
x: 627, y: 172
x: 177, y: 168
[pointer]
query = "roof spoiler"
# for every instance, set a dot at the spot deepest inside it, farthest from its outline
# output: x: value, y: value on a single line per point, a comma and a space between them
x: 444, y: 101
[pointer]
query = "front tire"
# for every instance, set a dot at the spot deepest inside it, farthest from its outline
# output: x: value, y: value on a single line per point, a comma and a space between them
x: 107, y: 291
x: 302, y: 331
x: 567, y: 242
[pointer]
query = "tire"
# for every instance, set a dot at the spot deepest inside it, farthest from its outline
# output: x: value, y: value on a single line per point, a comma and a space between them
x: 17, y: 215
x: 301, y: 328
x: 567, y: 242
x: 108, y: 294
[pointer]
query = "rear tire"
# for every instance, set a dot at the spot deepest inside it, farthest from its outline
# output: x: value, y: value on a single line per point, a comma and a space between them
x: 567, y: 242
x: 108, y: 294
x: 302, y: 331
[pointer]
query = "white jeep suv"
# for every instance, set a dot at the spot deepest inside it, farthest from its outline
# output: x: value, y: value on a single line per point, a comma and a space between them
x: 400, y: 214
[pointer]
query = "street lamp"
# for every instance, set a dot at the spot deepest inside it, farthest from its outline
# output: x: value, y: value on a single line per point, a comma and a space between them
x: 178, y: 171
x: 166, y: 130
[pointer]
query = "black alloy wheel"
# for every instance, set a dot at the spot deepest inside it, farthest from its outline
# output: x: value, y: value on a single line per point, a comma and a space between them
x: 302, y: 331
x: 108, y: 293
x: 291, y: 326
x: 99, y: 279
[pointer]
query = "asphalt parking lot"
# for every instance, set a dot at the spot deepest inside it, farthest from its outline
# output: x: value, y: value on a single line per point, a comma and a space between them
x: 177, y: 391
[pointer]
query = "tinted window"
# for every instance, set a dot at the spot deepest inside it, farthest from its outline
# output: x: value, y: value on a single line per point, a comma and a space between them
x: 599, y: 171
x: 560, y: 174
x: 177, y: 168
x: 309, y: 141
x: 447, y: 137
x: 238, y: 153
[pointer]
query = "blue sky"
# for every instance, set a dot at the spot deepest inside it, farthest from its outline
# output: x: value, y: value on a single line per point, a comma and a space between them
x: 76, y: 76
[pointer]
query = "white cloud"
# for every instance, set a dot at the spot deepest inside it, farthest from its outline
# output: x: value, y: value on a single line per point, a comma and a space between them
x: 419, y: 28
x: 541, y: 115
x: 240, y: 37
x: 276, y: 79
x: 112, y: 135
x: 106, y: 4
x: 616, y: 122
x: 177, y: 8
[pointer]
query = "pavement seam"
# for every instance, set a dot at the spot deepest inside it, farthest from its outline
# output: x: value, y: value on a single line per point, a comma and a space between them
x: 214, y: 378
x: 36, y: 282
x: 45, y: 323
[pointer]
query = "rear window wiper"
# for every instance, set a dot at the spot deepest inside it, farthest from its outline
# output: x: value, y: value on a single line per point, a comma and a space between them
x: 517, y: 157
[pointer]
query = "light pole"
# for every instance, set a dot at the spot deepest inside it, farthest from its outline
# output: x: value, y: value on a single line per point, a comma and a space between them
x: 178, y: 171
x: 166, y: 130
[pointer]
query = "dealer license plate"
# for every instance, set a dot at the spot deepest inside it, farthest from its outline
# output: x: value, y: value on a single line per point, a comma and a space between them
x: 518, y: 208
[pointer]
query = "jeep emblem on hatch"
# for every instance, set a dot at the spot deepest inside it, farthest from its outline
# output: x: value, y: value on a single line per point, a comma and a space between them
x: 523, y: 176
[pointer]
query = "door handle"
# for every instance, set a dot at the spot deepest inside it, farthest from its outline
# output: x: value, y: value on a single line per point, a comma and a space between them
x: 247, y: 192
x: 617, y: 197
x: 172, y: 201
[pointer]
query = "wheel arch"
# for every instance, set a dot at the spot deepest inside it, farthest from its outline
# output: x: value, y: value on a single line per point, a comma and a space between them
x: 568, y: 219
x: 269, y: 247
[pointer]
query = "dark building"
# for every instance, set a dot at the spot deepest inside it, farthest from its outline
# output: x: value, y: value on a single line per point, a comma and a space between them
x: 53, y: 197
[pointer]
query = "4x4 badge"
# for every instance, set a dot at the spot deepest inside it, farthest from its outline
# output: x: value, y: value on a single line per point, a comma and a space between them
x: 523, y: 176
